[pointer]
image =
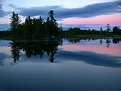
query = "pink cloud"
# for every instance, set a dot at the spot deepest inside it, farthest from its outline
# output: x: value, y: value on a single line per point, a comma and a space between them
x: 5, y: 20
x: 104, y: 19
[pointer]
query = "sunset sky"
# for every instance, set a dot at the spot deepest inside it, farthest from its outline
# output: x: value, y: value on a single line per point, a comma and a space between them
x: 82, y: 13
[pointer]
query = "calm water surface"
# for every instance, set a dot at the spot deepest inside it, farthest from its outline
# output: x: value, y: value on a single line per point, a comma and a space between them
x: 60, y: 65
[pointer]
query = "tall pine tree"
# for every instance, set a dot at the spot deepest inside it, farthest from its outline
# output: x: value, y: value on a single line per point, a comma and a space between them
x: 15, y: 21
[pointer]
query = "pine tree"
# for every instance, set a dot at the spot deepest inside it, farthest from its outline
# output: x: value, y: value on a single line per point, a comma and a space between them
x: 28, y: 28
x: 53, y: 26
x: 15, y: 21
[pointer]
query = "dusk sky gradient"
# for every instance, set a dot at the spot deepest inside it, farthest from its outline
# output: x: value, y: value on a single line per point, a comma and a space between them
x: 67, y: 12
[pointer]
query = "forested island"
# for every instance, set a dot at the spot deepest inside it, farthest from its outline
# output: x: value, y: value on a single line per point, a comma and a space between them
x: 38, y: 28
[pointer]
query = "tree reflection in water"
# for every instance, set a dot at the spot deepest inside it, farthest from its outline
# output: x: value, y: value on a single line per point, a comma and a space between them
x: 48, y: 46
x: 35, y: 47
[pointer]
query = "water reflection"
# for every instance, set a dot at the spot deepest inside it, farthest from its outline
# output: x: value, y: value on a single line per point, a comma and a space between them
x: 108, y: 41
x: 15, y: 50
x: 91, y: 58
x: 87, y: 65
x: 2, y: 57
x: 34, y: 48
x: 50, y: 47
x: 101, y: 41
x: 116, y: 41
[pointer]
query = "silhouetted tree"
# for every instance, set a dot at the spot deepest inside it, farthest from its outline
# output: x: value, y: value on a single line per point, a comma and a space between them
x: 35, y: 27
x: 116, y: 30
x: 39, y: 28
x: 53, y: 26
x: 108, y: 28
x: 15, y: 21
x: 28, y: 28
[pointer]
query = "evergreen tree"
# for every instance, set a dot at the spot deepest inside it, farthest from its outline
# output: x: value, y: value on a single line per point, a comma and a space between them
x: 53, y: 26
x: 116, y: 30
x: 35, y: 27
x: 28, y: 29
x: 15, y: 21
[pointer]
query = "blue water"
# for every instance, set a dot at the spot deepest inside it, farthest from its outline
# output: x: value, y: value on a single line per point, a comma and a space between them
x: 83, y: 65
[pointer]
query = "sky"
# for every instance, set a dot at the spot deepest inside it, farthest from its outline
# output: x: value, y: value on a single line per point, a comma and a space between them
x: 76, y: 13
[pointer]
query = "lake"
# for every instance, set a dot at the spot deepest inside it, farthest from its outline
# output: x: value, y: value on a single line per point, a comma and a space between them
x: 60, y: 65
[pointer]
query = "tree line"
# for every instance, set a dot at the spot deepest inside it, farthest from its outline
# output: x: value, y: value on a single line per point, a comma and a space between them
x: 34, y: 27
x: 79, y: 32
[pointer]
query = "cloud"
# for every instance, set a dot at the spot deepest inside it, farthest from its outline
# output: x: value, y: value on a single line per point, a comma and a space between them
x: 14, y: 6
x: 43, y: 11
x: 84, y: 12
x: 1, y: 1
x: 2, y: 13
